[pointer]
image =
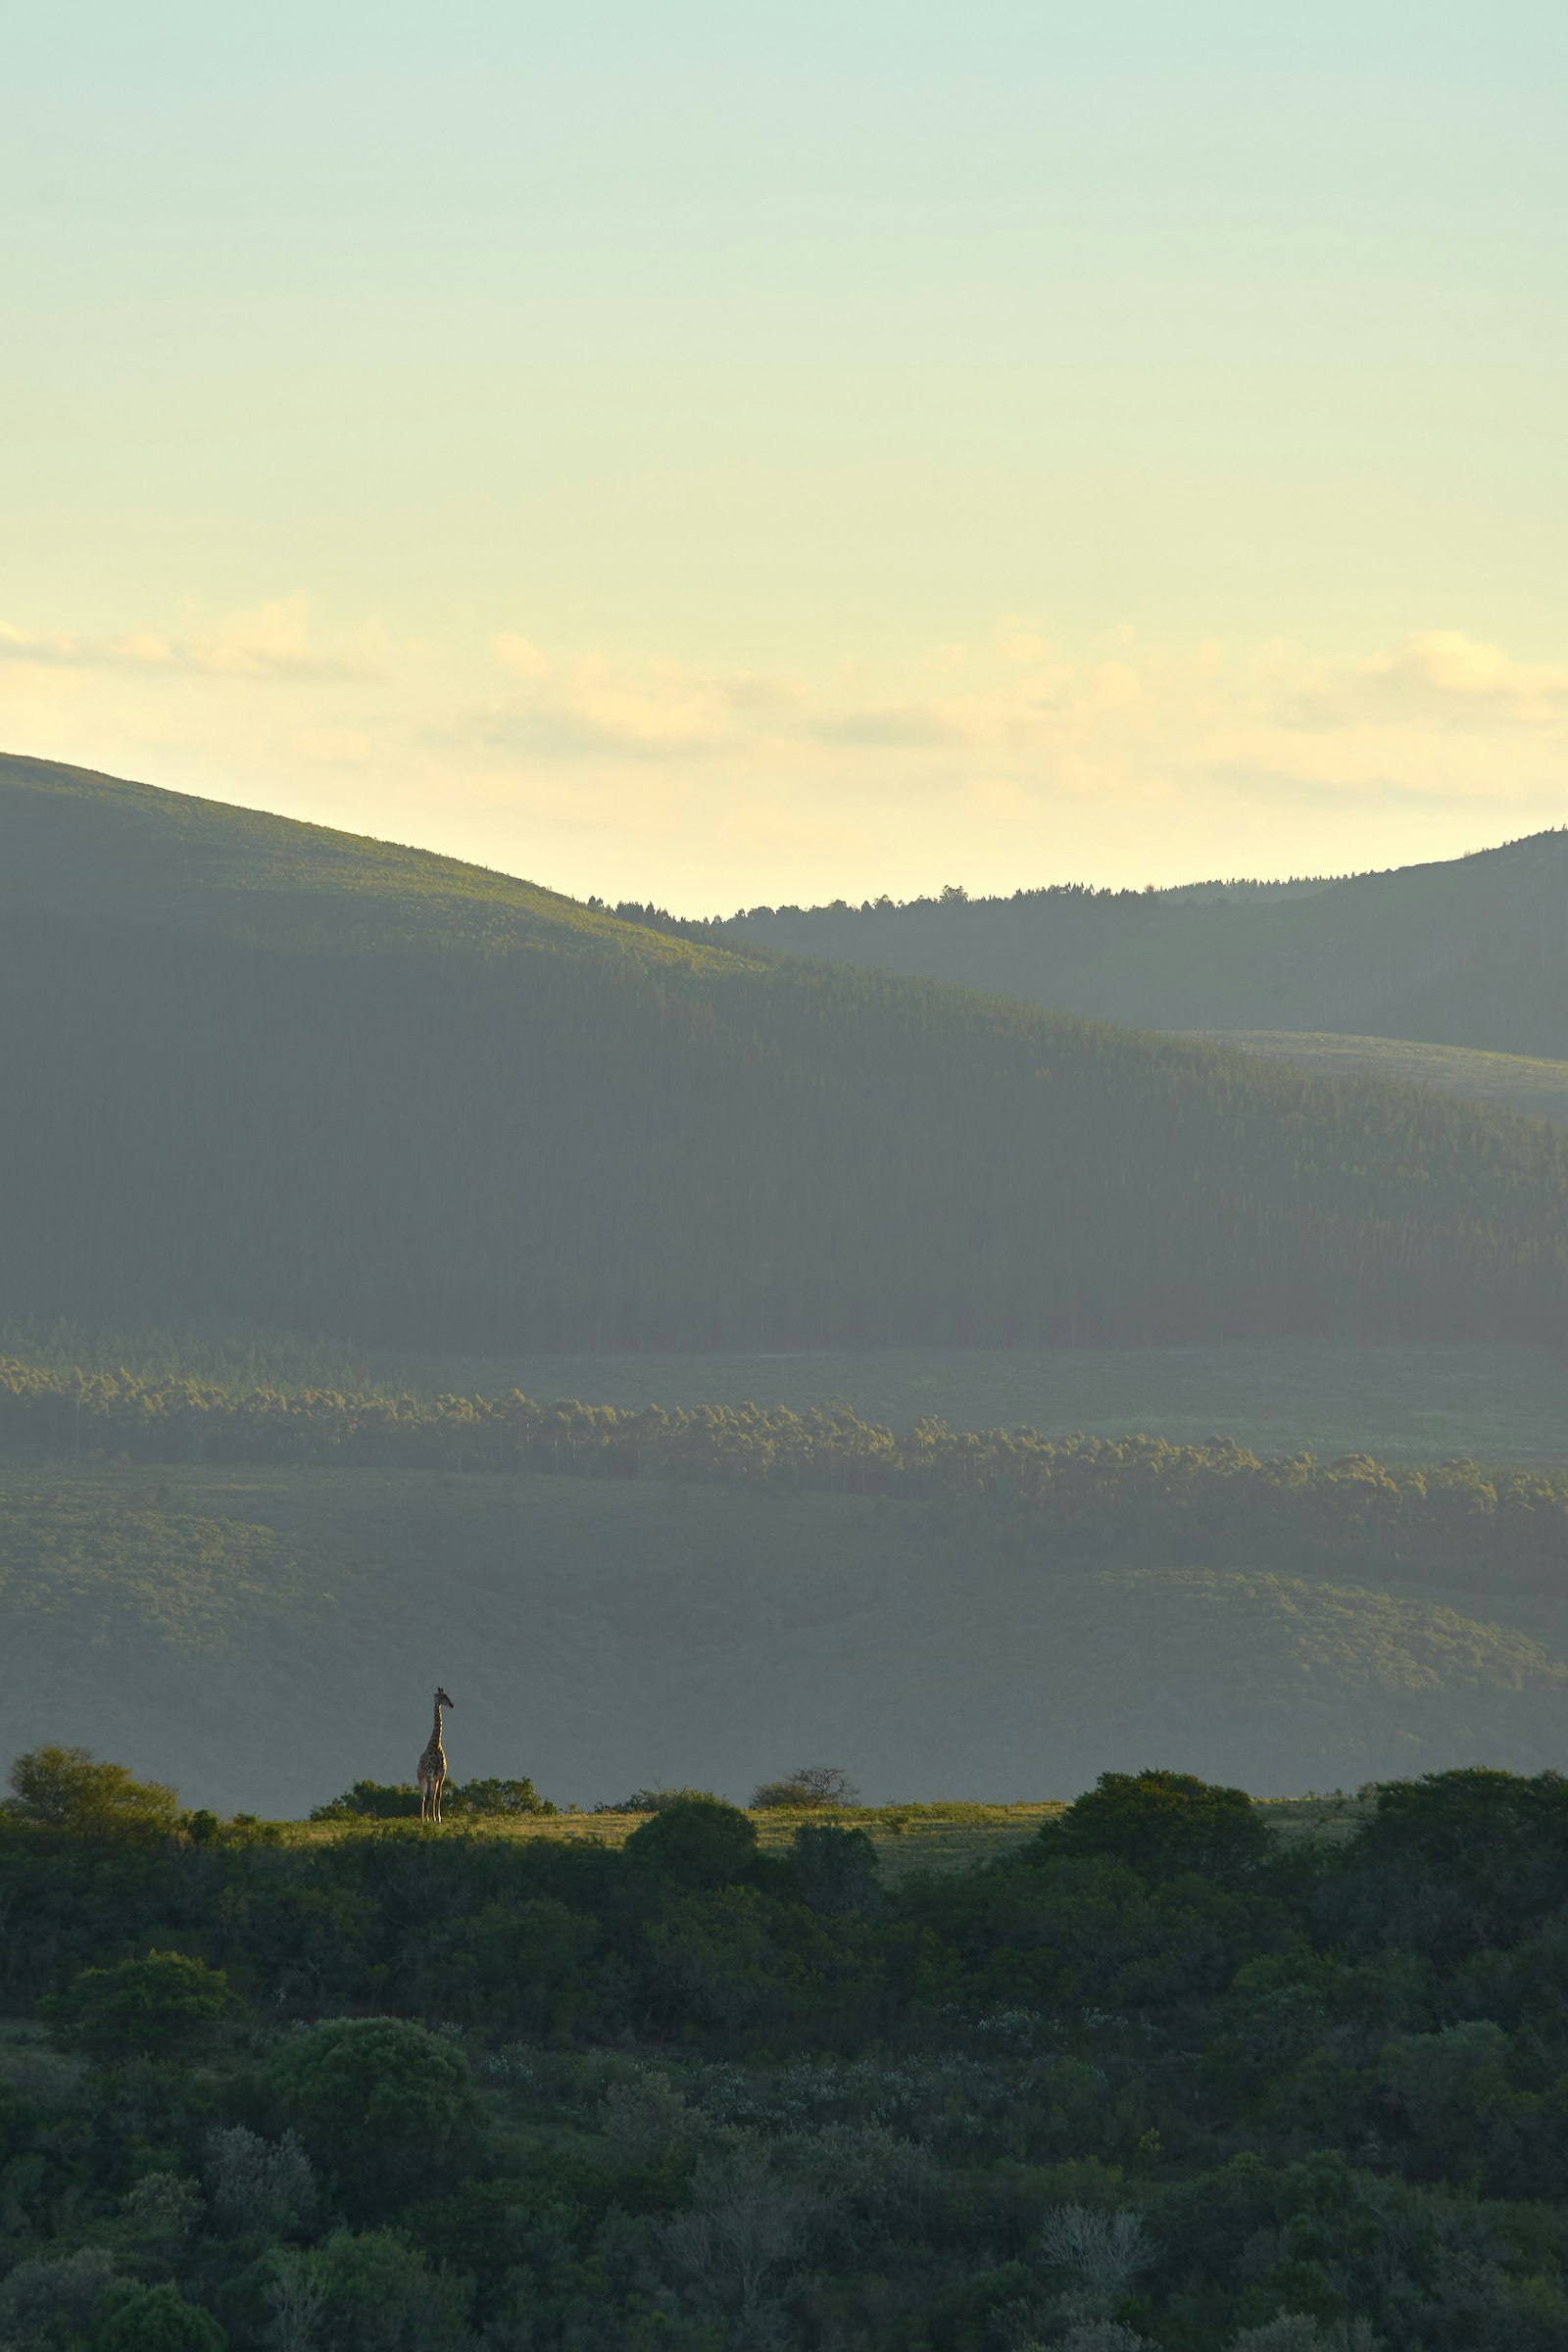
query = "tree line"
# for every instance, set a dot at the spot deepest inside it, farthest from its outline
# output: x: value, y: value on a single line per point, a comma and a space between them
x: 1454, y: 1523
x: 1470, y: 952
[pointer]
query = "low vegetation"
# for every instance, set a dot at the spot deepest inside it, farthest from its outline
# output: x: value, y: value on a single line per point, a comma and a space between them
x: 1172, y: 2073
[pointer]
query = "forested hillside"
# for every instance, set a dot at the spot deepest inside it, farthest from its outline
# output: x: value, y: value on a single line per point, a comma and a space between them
x: 1472, y: 952
x: 258, y: 1072
x: 1514, y: 1082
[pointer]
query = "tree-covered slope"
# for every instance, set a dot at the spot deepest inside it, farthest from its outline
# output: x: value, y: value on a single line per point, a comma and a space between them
x: 259, y: 1073
x: 1515, y: 1082
x: 1470, y: 952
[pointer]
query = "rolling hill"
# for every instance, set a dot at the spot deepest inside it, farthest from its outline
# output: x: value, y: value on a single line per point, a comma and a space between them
x: 1512, y: 1081
x: 265, y: 1637
x: 1468, y: 952
x: 261, y: 1073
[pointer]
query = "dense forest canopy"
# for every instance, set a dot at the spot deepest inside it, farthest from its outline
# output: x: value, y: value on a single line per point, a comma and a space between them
x: 1469, y: 951
x: 1159, y: 2079
x: 255, y: 1072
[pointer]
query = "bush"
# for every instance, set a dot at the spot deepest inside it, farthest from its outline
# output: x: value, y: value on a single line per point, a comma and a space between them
x: 53, y: 2303
x: 372, y: 1801
x: 67, y: 1789
x: 1162, y: 1824
x: 259, y: 2184
x: 700, y: 1840
x: 377, y: 2296
x: 378, y: 2101
x: 837, y: 1869
x: 812, y: 1785
x: 155, y: 2319
x: 657, y: 1801
x: 398, y: 1801
x: 494, y: 1796
x: 143, y: 2008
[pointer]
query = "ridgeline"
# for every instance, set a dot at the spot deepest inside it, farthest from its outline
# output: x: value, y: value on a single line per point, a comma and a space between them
x: 1466, y: 952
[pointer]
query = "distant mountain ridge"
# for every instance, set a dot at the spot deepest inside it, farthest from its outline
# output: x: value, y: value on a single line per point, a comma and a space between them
x: 261, y: 1072
x: 1468, y: 952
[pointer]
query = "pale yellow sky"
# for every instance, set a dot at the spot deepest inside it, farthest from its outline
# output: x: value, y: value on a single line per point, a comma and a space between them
x: 735, y: 457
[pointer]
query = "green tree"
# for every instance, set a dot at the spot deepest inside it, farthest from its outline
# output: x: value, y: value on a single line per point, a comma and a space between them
x: 155, y: 2319
x: 378, y: 2295
x: 497, y: 1796
x: 837, y: 1868
x: 141, y: 2008
x: 1162, y: 1823
x: 378, y: 2102
x: 69, y: 1788
x: 700, y: 1841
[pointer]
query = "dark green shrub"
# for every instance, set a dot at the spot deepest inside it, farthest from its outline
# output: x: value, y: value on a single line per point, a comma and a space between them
x: 371, y: 1801
x: 655, y: 1800
x: 836, y: 1868
x: 67, y: 1789
x: 700, y: 1840
x: 398, y: 1801
x: 143, y: 2008
x: 493, y: 1797
x: 378, y: 2295
x: 155, y: 2319
x: 1162, y: 1824
x: 378, y: 2101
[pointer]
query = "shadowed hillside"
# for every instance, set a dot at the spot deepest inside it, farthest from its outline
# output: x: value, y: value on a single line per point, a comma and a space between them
x: 260, y: 1073
x: 1471, y: 951
x: 267, y: 1637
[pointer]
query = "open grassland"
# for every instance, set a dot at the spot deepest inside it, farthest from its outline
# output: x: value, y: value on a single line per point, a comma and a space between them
x: 265, y: 1638
x: 943, y: 1835
x: 907, y: 1837
x: 1510, y: 1081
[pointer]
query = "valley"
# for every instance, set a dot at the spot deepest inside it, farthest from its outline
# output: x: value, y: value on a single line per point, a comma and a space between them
x: 265, y: 1637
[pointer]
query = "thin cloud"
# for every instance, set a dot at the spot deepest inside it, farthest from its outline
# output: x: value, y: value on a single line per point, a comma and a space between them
x: 885, y: 730
x: 269, y: 641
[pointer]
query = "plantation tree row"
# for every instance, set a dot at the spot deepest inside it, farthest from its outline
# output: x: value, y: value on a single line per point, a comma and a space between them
x: 1453, y: 1524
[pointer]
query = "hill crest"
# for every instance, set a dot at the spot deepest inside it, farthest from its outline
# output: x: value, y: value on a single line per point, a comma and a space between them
x: 261, y: 1073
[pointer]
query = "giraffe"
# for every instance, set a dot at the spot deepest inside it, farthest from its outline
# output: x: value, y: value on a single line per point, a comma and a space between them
x: 431, y: 1770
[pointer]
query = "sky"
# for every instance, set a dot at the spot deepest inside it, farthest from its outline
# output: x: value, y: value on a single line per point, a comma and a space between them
x: 733, y: 454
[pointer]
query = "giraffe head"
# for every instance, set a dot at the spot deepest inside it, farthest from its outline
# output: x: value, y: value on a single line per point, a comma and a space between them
x: 442, y: 1701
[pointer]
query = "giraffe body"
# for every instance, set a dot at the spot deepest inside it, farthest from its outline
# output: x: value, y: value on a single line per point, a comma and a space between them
x: 431, y: 1770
